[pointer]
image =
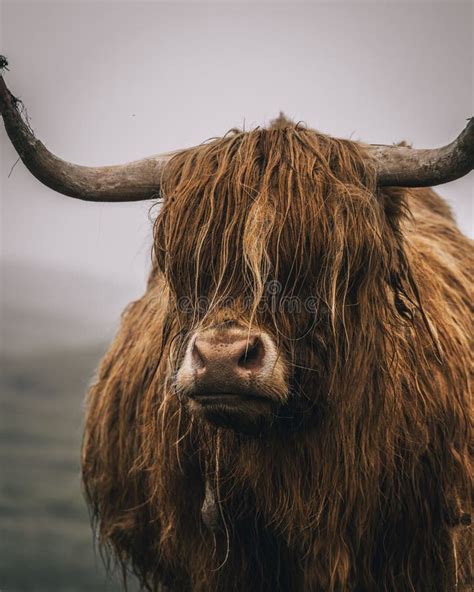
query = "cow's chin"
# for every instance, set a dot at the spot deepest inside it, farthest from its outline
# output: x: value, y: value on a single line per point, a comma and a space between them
x: 245, y: 415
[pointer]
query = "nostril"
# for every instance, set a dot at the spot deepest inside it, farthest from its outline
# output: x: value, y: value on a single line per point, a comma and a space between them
x: 197, y: 358
x: 252, y: 356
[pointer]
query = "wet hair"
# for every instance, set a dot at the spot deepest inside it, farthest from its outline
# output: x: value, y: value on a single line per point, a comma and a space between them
x: 371, y: 492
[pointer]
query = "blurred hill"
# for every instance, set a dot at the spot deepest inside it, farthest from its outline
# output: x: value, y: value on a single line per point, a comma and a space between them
x: 45, y: 308
x: 54, y: 330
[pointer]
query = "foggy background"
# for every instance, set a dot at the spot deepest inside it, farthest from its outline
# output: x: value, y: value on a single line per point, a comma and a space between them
x: 108, y: 82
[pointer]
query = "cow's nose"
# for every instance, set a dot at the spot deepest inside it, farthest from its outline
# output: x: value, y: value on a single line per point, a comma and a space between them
x: 228, y: 366
x: 236, y: 353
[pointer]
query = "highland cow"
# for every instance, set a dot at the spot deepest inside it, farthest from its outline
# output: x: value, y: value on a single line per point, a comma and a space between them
x: 287, y: 406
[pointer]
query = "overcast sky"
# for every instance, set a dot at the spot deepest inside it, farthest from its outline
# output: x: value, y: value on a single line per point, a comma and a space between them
x: 110, y: 82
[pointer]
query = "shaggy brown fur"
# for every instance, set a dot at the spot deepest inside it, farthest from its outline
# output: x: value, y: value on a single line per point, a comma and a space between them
x: 370, y: 489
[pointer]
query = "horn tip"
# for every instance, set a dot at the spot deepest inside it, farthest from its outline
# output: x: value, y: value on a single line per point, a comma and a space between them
x: 3, y: 64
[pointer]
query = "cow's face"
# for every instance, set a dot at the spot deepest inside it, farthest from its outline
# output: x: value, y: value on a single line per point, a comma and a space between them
x: 239, y: 367
x: 269, y: 254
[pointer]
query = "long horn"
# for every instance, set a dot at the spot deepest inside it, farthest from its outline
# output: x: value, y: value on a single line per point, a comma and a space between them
x: 134, y: 181
x: 406, y: 167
